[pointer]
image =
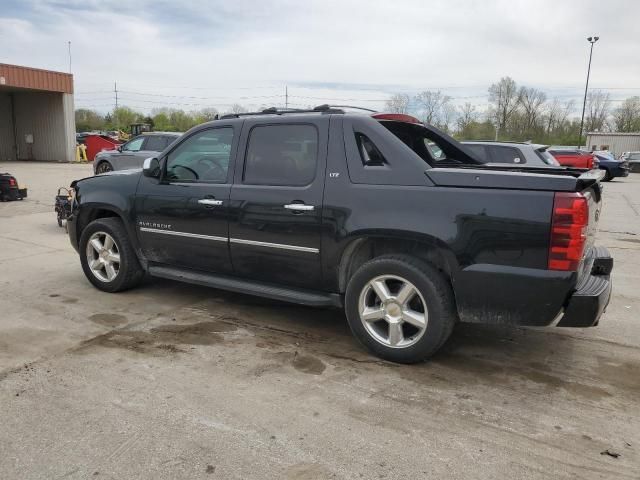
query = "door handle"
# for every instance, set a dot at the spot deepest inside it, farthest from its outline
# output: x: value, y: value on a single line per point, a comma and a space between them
x: 210, y: 202
x: 299, y: 207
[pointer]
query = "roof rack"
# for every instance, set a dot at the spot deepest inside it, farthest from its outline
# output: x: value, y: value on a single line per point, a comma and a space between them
x: 325, y: 108
x: 283, y: 111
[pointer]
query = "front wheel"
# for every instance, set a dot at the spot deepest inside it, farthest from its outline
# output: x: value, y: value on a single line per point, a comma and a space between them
x: 607, y: 176
x: 104, y: 167
x: 400, y: 308
x: 107, y: 257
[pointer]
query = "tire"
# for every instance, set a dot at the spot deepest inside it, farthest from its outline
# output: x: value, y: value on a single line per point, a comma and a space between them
x: 104, y: 167
x: 128, y: 272
x: 607, y: 176
x: 433, y: 296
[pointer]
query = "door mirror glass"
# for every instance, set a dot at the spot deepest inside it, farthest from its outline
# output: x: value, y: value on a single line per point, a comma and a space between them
x: 151, y: 167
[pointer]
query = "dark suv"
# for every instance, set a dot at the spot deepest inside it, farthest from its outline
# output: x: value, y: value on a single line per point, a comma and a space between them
x: 330, y: 208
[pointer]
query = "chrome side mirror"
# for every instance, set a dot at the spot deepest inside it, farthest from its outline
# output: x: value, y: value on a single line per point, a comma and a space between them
x: 151, y: 167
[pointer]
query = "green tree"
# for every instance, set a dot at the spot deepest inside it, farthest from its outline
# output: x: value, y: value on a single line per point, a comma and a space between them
x: 88, y: 120
x: 125, y: 116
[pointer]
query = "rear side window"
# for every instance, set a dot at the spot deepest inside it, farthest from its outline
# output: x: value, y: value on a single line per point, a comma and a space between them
x: 500, y: 154
x: 547, y: 158
x: 369, y: 153
x: 155, y: 143
x: 284, y: 155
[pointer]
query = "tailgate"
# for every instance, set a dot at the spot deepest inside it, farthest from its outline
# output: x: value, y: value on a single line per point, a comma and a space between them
x: 593, y: 194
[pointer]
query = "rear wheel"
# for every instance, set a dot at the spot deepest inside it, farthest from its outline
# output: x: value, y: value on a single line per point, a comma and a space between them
x: 400, y: 308
x: 607, y: 175
x: 107, y: 258
x: 104, y: 167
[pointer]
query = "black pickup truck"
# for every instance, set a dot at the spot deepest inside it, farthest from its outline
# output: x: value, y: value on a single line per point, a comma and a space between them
x: 391, y: 219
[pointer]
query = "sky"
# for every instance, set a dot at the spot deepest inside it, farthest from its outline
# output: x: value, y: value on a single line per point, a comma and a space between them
x: 197, y: 54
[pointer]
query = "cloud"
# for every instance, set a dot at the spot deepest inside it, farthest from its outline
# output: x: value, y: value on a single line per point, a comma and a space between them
x: 226, y: 51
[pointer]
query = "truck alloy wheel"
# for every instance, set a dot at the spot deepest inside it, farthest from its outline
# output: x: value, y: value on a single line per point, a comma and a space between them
x: 393, y: 311
x: 103, y: 256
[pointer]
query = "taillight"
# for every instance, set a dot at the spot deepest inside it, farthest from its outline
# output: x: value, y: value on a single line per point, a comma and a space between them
x: 12, y: 182
x: 568, y: 231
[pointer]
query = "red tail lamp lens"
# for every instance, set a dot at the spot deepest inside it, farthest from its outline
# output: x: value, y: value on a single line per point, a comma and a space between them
x: 568, y: 231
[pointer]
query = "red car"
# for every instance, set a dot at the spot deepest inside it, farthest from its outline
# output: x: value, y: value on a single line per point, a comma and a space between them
x: 575, y: 158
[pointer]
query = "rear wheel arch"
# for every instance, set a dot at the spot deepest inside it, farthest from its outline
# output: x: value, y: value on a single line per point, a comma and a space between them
x: 362, y: 249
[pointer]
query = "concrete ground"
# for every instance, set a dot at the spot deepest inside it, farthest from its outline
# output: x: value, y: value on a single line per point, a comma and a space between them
x: 176, y: 381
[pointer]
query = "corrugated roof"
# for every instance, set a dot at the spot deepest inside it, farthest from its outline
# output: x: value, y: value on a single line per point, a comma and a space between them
x: 35, y: 79
x: 617, y: 134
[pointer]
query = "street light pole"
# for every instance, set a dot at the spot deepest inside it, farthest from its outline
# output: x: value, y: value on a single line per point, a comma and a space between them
x: 591, y: 40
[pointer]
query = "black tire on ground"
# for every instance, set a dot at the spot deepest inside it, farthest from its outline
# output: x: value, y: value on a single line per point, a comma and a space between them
x: 104, y: 167
x: 607, y: 176
x: 433, y: 287
x: 130, y: 273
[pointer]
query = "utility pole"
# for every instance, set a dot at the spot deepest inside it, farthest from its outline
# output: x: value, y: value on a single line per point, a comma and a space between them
x: 591, y: 40
x: 115, y: 112
x: 286, y: 97
x: 69, y: 44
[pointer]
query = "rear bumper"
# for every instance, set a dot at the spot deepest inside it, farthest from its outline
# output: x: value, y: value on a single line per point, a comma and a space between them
x: 587, y: 304
x: 620, y: 171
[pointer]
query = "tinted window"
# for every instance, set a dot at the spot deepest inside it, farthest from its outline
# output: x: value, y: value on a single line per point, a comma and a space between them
x: 500, y: 154
x: 281, y: 155
x: 479, y: 150
x: 369, y: 153
x: 203, y: 157
x: 134, y: 145
x: 155, y: 143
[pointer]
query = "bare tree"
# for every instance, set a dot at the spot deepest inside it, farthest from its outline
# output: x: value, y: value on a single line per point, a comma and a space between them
x: 467, y: 114
x: 597, y: 111
x: 505, y: 101
x: 398, y: 103
x: 435, y: 108
x: 626, y: 118
x: 237, y: 108
x: 532, y: 101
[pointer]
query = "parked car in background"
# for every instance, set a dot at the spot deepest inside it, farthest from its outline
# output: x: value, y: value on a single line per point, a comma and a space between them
x: 574, y: 158
x: 612, y: 167
x: 519, y: 153
x: 132, y: 154
x: 634, y: 160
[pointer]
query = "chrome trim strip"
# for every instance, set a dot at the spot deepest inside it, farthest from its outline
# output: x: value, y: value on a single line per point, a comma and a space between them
x: 275, y: 245
x: 183, y: 234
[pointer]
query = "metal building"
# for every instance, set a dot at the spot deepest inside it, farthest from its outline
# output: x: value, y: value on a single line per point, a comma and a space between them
x: 618, y: 143
x: 37, y: 118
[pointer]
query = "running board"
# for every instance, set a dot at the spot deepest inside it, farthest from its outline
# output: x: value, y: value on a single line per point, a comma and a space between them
x: 302, y: 297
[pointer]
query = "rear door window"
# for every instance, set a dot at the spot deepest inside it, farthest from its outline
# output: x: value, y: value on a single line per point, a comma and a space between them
x: 155, y: 143
x: 284, y: 155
